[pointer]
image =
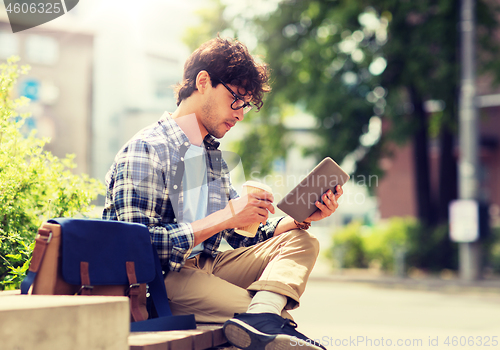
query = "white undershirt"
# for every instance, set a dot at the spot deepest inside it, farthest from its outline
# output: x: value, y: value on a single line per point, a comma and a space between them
x: 195, y: 188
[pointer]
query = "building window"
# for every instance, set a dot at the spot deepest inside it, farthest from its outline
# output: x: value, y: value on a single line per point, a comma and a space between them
x: 164, y: 73
x: 42, y: 49
x: 9, y: 44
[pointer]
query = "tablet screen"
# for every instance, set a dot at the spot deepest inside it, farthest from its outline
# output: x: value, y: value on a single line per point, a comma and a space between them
x: 299, y: 203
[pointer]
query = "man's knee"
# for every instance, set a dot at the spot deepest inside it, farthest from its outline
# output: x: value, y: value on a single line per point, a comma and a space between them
x: 307, y: 240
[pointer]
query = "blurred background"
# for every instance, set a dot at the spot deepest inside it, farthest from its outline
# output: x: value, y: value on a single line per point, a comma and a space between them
x: 373, y: 84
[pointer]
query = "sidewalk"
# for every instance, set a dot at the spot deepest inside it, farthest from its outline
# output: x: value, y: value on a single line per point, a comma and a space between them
x: 451, y: 284
x: 360, y: 309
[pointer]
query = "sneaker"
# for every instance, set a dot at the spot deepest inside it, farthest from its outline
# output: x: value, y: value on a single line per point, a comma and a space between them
x: 266, y: 331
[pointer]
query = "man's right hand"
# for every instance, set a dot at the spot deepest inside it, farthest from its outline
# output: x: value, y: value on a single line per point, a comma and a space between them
x: 240, y: 212
x: 249, y: 209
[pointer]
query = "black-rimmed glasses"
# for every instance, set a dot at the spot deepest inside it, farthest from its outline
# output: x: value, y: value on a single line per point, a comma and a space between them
x: 238, y: 102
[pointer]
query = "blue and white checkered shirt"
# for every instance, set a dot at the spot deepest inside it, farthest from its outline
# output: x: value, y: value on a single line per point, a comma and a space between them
x: 144, y: 185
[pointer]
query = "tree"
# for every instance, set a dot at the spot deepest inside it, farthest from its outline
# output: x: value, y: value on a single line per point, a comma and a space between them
x: 34, y: 184
x: 409, y: 49
x: 212, y: 22
x: 346, y: 61
x: 354, y: 63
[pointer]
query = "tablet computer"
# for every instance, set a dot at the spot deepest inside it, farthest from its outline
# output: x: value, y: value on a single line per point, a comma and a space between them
x: 299, y: 203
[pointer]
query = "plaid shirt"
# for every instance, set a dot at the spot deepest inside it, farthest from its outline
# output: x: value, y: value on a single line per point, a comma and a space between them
x: 144, y: 185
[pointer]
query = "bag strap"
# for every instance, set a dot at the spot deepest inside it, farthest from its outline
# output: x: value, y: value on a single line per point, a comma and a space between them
x: 157, y: 289
x: 42, y: 239
x: 86, y: 287
x: 133, y: 292
x: 165, y: 321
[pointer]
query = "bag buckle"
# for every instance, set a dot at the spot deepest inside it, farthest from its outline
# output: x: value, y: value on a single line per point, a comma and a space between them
x: 133, y: 285
x: 84, y: 286
x: 47, y: 239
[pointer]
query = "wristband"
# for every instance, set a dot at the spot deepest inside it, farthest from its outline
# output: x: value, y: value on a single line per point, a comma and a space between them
x: 302, y: 225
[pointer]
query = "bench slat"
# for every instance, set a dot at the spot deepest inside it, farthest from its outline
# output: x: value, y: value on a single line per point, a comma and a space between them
x: 204, y: 337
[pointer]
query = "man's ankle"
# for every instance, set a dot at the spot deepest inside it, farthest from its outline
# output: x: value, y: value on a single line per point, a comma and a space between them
x: 267, y: 302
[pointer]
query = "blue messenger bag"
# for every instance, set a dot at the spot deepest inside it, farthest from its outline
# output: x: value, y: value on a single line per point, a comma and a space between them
x: 101, y: 257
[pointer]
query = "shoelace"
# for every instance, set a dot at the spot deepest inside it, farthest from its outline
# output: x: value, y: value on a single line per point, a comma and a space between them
x: 289, y: 322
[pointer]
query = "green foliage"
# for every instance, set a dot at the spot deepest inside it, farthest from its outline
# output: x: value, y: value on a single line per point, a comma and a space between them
x: 362, y: 246
x: 211, y: 24
x: 348, y: 247
x: 492, y: 250
x: 430, y: 248
x: 34, y: 184
x: 386, y: 238
x: 323, y: 56
x: 263, y: 145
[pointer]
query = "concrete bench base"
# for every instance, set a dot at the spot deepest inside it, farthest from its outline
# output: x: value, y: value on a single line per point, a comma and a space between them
x: 47, y: 322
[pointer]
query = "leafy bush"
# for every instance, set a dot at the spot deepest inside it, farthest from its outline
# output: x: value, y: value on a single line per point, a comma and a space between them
x: 424, y: 248
x: 492, y: 250
x: 348, y: 247
x: 431, y: 249
x: 362, y: 246
x: 384, y: 240
x: 34, y: 184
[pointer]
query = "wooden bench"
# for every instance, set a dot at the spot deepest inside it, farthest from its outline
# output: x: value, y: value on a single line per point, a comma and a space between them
x: 206, y: 336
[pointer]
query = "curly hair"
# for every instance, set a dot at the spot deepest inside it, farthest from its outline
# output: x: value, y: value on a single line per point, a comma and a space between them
x: 229, y: 61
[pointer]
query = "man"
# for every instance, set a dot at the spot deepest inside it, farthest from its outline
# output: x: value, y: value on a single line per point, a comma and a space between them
x: 172, y: 178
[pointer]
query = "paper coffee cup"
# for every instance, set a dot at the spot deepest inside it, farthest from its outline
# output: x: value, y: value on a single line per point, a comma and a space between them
x: 252, y: 187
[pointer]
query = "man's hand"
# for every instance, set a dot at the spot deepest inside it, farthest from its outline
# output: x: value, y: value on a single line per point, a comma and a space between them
x: 328, y: 208
x: 249, y: 209
x: 240, y: 212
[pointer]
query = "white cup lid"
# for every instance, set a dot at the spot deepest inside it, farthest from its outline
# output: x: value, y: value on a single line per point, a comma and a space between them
x: 259, y: 185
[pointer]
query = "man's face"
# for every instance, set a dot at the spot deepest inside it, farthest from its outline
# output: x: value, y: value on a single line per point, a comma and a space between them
x: 217, y: 115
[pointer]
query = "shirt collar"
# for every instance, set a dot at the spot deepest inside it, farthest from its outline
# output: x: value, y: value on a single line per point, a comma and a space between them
x: 175, y: 132
x: 210, y: 142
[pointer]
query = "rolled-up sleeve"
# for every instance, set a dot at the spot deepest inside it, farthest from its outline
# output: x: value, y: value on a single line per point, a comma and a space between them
x: 174, y: 243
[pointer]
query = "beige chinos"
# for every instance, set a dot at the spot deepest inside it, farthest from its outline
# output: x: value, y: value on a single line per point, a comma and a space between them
x: 214, y: 289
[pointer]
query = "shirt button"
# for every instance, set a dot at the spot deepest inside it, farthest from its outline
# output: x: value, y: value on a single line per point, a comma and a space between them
x: 175, y: 220
x: 175, y: 187
x: 186, y: 143
x: 217, y: 159
x: 182, y: 159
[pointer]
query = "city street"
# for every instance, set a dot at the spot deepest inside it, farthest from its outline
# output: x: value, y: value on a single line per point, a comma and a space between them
x: 354, y: 315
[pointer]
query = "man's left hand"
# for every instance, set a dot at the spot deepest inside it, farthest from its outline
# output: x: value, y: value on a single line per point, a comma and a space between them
x: 329, y: 205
